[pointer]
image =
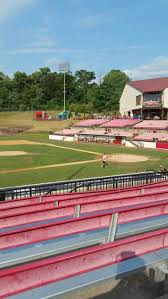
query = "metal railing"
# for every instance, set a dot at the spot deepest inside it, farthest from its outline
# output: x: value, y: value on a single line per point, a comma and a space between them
x: 83, y: 185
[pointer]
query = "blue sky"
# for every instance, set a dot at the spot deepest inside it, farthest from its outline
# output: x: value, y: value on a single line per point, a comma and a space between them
x: 96, y: 35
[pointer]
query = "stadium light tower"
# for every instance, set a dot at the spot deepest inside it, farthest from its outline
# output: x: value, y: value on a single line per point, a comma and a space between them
x: 65, y: 68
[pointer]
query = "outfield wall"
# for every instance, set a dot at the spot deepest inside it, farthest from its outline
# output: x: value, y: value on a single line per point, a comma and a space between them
x: 125, y: 142
x: 62, y: 138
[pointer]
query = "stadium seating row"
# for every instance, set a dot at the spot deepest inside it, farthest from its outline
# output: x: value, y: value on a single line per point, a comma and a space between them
x: 152, y: 124
x: 151, y: 137
x: 126, y: 205
x: 120, y: 123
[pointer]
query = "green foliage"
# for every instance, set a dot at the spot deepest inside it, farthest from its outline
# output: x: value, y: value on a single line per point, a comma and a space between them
x: 43, y: 90
x: 110, y: 90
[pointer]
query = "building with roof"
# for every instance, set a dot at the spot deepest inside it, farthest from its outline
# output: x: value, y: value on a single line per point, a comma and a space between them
x: 146, y: 98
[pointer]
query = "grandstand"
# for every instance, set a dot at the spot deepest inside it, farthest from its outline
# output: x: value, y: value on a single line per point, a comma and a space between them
x: 127, y: 132
x: 90, y: 123
x: 151, y: 137
x: 152, y: 125
x: 57, y: 244
x: 120, y: 123
x: 105, y: 133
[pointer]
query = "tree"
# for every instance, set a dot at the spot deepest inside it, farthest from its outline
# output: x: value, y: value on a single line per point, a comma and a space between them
x: 43, y: 89
x: 84, y: 81
x: 92, y: 92
x: 5, y: 87
x: 110, y: 91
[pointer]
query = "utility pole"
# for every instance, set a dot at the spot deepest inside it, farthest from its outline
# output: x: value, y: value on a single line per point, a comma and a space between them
x: 64, y: 93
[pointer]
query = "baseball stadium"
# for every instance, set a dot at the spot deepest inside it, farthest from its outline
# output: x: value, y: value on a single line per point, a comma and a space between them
x: 83, y: 149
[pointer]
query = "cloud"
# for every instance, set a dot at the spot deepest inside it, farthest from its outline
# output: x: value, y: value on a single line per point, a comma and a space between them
x: 2, y: 68
x: 157, y: 68
x: 9, y: 8
x: 95, y: 20
x: 35, y: 50
x: 123, y: 49
x: 41, y: 42
x: 42, y: 48
x: 5, y: 70
x: 53, y: 63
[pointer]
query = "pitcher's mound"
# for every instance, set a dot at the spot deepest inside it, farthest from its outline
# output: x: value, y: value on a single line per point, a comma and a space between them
x: 127, y: 158
x: 13, y: 153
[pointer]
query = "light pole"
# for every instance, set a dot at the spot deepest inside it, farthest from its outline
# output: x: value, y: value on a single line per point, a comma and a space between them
x: 64, y: 67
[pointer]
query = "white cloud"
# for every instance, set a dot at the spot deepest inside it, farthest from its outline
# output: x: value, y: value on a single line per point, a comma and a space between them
x: 157, y: 68
x: 53, y: 63
x: 2, y: 68
x: 10, y: 8
x: 41, y: 42
x: 5, y: 70
x: 43, y: 50
x: 124, y: 48
x: 41, y: 38
x: 95, y: 20
x: 35, y: 50
x: 45, y: 44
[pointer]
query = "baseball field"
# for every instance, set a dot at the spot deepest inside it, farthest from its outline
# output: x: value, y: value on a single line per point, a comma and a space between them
x: 33, y: 158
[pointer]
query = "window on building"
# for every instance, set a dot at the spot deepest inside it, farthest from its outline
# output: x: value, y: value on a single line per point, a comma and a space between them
x: 152, y: 99
x: 138, y: 100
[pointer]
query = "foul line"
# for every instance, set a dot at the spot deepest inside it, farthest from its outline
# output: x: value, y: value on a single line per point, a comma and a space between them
x: 48, y: 166
x: 53, y: 165
x: 69, y: 148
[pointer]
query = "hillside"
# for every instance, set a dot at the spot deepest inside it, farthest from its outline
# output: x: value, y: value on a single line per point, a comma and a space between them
x: 26, y: 120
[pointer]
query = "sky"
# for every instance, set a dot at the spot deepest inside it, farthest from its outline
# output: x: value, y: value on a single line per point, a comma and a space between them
x: 97, y: 35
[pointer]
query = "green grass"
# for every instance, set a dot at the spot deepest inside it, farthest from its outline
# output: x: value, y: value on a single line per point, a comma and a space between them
x: 71, y: 172
x: 43, y: 155
x: 39, y: 155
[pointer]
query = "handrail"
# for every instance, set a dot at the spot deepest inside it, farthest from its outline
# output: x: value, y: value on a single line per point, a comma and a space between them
x: 83, y: 194
x: 125, y: 197
x: 89, y: 184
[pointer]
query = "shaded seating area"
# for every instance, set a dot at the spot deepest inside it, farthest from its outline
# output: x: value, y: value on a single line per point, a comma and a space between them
x: 151, y: 137
x: 120, y: 123
x: 90, y: 123
x: 104, y: 136
x: 127, y: 132
x: 152, y: 124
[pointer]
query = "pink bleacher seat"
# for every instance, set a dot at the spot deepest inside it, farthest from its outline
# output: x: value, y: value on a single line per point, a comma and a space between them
x: 152, y: 124
x: 119, y: 123
x: 151, y: 137
x: 91, y: 122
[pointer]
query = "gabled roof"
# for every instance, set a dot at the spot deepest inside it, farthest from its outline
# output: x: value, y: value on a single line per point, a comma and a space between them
x: 150, y: 85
